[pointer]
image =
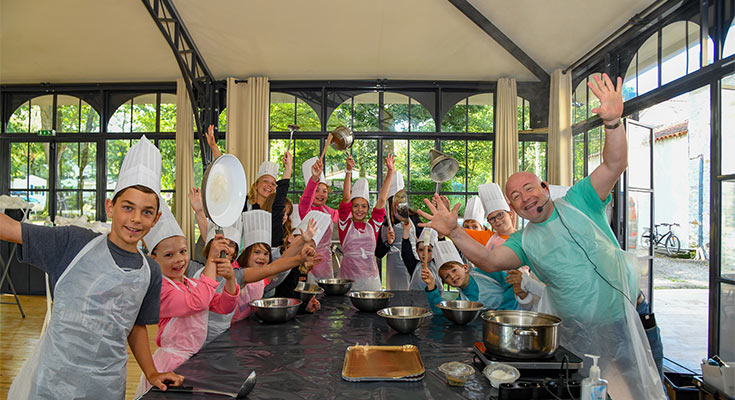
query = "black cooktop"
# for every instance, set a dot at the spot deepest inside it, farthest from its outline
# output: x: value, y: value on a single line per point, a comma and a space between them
x: 556, y: 361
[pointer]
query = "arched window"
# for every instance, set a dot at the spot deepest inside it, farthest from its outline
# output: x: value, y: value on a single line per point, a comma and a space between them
x: 147, y: 113
x: 728, y: 48
x: 287, y: 109
x: 583, y: 100
x: 473, y: 114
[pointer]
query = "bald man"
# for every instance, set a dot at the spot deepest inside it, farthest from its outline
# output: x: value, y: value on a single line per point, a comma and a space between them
x: 591, y: 284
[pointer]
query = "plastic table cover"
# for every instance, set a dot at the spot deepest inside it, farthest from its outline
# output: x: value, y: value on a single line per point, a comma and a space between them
x: 303, y: 358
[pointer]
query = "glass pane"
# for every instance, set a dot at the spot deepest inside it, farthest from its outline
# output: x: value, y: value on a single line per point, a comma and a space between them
x: 365, y: 153
x: 198, y: 167
x: 116, y: 150
x: 579, y: 106
x: 458, y: 198
x: 480, y: 113
x: 282, y: 111
x: 648, y: 65
x: 673, y: 50
x: 67, y: 113
x: 639, y: 222
x: 39, y: 204
x: 455, y: 119
x: 421, y: 119
x: 727, y: 322
x: 729, y: 48
x: 533, y: 158
x: 578, y: 157
x: 19, y: 165
x: 77, y: 165
x: 306, y: 117
x: 341, y: 116
x: 399, y: 149
x: 75, y: 204
x: 42, y: 112
x: 276, y: 149
x: 457, y: 150
x: 168, y: 197
x: 222, y: 121
x: 20, y: 120
x: 90, y: 119
x: 144, y: 113
x: 630, y: 84
x: 120, y: 120
x: 395, y: 112
x: 334, y: 166
x: 728, y: 121
x: 366, y: 112
x: 727, y: 260
x: 168, y: 112
x: 524, y: 114
x: 639, y: 156
x: 168, y: 165
x: 479, y: 163
x: 594, y: 152
x: 303, y: 150
x: 419, y: 166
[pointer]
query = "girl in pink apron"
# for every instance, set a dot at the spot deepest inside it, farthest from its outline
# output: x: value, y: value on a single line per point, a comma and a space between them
x: 358, y: 238
x: 186, y: 302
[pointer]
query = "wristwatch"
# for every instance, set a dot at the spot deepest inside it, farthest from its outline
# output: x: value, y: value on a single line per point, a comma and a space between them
x: 615, y: 125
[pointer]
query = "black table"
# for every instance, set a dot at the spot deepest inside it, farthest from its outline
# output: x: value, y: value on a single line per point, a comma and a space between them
x: 303, y: 358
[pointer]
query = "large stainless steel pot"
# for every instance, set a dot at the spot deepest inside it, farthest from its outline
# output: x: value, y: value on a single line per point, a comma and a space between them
x: 520, y: 334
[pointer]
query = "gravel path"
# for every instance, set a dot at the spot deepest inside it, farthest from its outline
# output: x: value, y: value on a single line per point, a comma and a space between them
x: 677, y: 273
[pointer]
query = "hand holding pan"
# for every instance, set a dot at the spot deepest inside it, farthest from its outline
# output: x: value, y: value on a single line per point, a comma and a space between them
x: 324, y: 150
x: 246, y: 387
x: 224, y: 189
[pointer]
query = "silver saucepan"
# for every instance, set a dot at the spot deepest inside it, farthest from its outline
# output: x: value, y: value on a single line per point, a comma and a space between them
x: 520, y: 334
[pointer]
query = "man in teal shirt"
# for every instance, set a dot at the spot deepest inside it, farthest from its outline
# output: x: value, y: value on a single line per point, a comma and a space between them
x: 592, y: 285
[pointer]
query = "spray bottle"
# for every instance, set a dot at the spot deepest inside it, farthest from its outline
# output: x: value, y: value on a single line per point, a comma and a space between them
x: 594, y: 387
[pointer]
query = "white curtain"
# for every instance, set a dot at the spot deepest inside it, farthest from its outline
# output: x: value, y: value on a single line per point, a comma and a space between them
x: 248, y: 105
x: 560, y: 129
x: 506, y: 132
x: 184, y: 162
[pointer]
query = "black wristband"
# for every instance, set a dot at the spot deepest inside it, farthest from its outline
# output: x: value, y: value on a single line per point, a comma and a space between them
x: 617, y: 124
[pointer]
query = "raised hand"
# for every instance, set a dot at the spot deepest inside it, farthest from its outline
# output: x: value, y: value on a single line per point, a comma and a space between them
x: 611, y: 98
x: 310, y: 231
x: 224, y: 268
x: 350, y: 162
x: 195, y: 199
x: 441, y: 218
x: 428, y: 279
x: 391, y: 235
x: 316, y: 170
x: 287, y: 164
x: 390, y: 163
x: 307, y: 253
x: 210, y: 136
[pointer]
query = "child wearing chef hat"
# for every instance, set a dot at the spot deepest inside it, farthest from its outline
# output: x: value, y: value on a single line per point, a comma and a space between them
x: 186, y: 302
x: 358, y: 238
x: 474, y: 214
x: 256, y: 259
x: 424, y: 251
x: 475, y: 285
x: 105, y: 277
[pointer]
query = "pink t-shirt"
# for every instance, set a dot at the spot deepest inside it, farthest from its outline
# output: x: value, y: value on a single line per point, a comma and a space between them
x: 191, y: 300
x: 345, y: 220
x: 306, y: 202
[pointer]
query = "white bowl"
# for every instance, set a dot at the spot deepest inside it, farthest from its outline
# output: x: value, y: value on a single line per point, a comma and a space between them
x: 498, y: 373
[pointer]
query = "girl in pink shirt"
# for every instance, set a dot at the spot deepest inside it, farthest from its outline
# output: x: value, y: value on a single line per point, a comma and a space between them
x: 357, y: 237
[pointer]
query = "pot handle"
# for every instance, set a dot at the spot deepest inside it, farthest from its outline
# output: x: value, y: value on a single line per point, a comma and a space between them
x: 525, y: 332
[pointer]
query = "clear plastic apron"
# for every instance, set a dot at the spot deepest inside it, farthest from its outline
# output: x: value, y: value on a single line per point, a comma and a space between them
x: 359, y: 262
x: 597, y: 310
x: 251, y: 291
x: 418, y: 284
x: 181, y: 338
x: 323, y: 270
x: 490, y: 291
x: 396, y: 274
x: 495, y: 240
x: 83, y: 353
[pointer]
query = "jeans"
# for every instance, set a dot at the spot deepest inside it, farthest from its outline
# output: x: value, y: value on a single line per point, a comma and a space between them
x: 654, y: 339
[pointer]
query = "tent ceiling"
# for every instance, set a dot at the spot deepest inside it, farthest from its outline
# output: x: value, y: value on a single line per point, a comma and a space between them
x: 117, y: 41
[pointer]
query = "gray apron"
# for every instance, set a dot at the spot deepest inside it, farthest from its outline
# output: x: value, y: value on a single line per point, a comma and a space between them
x: 396, y: 274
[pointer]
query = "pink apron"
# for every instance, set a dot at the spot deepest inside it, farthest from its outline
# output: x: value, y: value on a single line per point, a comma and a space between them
x: 359, y: 262
x: 324, y: 270
x: 251, y: 291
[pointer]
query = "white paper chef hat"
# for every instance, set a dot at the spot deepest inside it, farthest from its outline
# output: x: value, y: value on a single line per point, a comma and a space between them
x: 444, y: 252
x: 322, y: 223
x: 558, y: 191
x: 232, y: 232
x: 426, y: 233
x: 492, y: 198
x: 474, y: 210
x: 361, y: 189
x: 256, y: 227
x: 396, y: 185
x: 166, y: 227
x: 141, y: 166
x: 268, y: 168
x: 306, y: 170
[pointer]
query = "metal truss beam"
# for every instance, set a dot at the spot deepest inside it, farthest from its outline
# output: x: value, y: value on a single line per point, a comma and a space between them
x: 197, y: 76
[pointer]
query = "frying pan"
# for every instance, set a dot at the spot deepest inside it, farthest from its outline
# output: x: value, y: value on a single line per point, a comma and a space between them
x: 224, y: 188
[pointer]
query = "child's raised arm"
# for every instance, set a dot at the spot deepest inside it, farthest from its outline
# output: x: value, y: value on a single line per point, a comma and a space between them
x: 195, y: 200
x: 212, y: 143
x: 10, y: 229
x: 383, y: 195
x: 347, y: 188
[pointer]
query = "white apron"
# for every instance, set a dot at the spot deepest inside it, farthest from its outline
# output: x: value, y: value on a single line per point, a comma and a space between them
x: 83, y: 353
x: 396, y: 274
x: 596, y: 318
x: 323, y: 270
x: 359, y: 262
x: 180, y: 339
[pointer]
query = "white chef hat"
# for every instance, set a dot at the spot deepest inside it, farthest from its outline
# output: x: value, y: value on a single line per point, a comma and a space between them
x: 256, y: 227
x: 474, y: 210
x: 558, y: 191
x: 141, y: 166
x: 295, y: 217
x: 322, y: 220
x: 361, y: 189
x: 396, y: 185
x: 232, y: 232
x: 306, y: 170
x: 444, y: 252
x: 429, y: 233
x: 166, y: 227
x: 492, y: 198
x: 268, y: 168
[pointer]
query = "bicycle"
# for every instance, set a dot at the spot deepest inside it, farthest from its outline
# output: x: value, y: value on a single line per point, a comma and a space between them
x: 670, y: 241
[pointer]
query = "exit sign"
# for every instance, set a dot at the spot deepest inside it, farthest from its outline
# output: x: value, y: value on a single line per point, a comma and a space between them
x: 47, y: 132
